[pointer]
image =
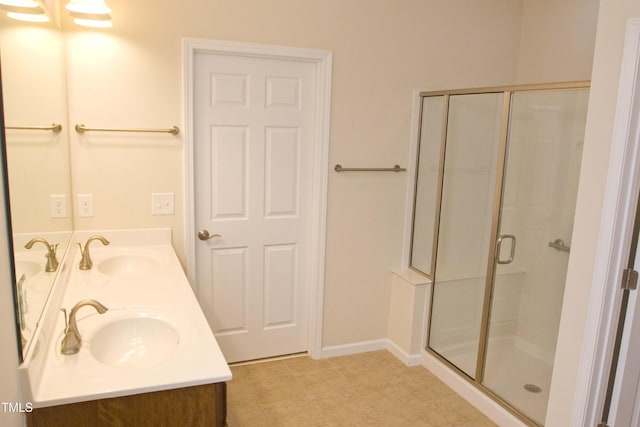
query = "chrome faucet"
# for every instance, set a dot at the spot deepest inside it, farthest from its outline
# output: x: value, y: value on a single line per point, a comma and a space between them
x: 85, y: 261
x: 52, y: 261
x: 72, y: 340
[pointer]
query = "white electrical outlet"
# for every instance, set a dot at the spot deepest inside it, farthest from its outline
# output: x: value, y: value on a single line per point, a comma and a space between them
x: 162, y: 204
x: 85, y: 205
x: 58, y: 205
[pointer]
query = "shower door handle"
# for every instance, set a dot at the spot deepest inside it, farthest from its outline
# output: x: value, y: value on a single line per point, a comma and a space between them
x: 499, y: 246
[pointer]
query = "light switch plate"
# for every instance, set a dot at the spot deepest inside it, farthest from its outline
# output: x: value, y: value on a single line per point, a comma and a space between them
x: 162, y: 204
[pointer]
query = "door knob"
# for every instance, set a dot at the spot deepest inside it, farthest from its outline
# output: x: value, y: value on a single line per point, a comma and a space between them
x: 204, y: 235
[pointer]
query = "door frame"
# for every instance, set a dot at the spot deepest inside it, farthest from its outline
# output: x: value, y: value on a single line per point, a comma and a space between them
x: 616, y: 229
x: 323, y: 60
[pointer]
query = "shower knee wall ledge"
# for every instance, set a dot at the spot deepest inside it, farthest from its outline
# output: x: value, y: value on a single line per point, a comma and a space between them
x: 409, y: 302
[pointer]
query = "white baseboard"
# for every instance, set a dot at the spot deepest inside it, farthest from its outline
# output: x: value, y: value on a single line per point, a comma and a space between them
x: 374, y: 345
x: 354, y: 348
x: 406, y: 358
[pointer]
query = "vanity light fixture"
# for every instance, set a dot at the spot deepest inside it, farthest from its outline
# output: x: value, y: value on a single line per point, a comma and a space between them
x: 90, y: 13
x: 24, y: 10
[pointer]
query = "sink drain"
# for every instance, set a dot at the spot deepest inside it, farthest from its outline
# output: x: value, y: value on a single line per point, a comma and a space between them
x: 532, y: 388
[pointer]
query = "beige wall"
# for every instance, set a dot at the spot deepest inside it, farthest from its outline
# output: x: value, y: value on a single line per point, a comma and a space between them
x: 34, y: 94
x: 612, y: 21
x: 557, y: 39
x: 131, y: 76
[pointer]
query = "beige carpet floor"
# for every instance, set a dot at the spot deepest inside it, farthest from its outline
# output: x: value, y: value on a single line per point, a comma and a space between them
x: 368, y: 389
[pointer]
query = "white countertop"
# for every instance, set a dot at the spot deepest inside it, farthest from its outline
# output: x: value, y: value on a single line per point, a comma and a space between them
x: 164, y: 290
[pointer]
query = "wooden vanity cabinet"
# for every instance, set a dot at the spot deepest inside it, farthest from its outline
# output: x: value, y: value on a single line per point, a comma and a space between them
x: 197, y: 406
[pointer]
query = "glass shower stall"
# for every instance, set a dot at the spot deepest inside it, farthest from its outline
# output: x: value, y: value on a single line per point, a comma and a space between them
x: 496, y: 189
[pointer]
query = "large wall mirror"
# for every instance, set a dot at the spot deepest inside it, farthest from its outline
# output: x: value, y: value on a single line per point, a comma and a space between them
x: 37, y: 149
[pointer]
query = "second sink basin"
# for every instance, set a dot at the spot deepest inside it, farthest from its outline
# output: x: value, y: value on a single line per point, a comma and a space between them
x: 28, y: 268
x: 130, y: 264
x: 137, y: 338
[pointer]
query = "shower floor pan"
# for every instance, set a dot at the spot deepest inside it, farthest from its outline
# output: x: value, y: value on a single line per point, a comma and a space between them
x: 513, y: 372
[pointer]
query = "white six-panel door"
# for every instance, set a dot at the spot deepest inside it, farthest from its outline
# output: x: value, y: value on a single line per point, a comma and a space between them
x: 254, y: 124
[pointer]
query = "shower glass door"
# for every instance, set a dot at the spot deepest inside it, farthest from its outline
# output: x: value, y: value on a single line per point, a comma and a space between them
x: 508, y: 180
x: 544, y: 150
x: 468, y: 192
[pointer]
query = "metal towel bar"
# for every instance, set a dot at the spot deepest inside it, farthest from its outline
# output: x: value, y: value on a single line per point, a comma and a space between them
x: 559, y: 245
x: 396, y: 168
x: 54, y: 127
x: 174, y: 130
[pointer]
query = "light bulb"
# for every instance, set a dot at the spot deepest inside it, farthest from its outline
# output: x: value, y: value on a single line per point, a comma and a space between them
x: 31, y: 17
x: 93, y: 7
x: 102, y: 23
x: 20, y: 3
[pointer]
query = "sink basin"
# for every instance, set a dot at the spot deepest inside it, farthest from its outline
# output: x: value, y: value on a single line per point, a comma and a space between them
x: 137, y: 339
x: 28, y: 268
x: 129, y: 264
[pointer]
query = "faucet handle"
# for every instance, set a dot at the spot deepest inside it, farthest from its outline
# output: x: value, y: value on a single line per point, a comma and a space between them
x: 52, y: 260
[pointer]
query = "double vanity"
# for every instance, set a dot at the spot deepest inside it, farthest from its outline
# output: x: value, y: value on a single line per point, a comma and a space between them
x: 122, y: 340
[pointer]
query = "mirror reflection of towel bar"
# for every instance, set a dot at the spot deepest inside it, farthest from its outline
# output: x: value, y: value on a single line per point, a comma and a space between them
x: 559, y: 245
x: 395, y: 168
x: 55, y: 127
